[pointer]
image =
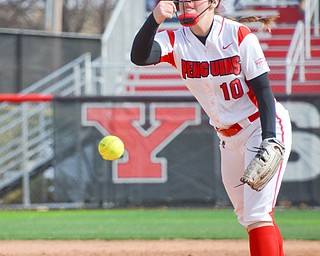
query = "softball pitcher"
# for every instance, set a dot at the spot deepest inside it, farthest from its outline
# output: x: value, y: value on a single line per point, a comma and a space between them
x: 222, y: 64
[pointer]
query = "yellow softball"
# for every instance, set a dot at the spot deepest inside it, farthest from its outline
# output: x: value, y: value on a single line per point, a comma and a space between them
x: 111, y: 147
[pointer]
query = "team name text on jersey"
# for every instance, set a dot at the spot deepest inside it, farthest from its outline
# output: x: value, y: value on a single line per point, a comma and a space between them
x: 220, y: 67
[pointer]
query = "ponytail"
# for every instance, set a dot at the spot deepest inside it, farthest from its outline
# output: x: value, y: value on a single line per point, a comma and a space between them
x: 266, y: 22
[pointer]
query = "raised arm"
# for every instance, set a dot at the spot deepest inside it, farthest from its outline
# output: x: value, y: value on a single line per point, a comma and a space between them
x: 146, y: 51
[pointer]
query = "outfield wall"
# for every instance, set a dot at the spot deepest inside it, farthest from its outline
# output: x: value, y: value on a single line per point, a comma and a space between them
x: 171, y: 157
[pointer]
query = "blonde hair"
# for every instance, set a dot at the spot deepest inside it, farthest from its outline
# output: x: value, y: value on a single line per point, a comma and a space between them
x: 266, y: 22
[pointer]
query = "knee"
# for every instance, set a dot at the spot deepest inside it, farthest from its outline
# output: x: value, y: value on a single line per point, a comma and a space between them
x: 259, y: 224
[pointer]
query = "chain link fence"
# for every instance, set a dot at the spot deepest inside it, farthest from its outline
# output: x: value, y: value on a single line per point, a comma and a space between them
x: 171, y: 159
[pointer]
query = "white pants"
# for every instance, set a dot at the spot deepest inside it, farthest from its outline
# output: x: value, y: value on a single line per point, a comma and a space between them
x: 236, y: 153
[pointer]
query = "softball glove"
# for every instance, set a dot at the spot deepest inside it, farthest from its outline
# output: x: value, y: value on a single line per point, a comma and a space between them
x: 264, y: 165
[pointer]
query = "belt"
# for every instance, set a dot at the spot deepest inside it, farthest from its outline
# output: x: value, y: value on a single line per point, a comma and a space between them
x: 235, y: 128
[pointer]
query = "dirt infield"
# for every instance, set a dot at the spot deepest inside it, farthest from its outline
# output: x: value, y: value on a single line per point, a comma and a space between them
x: 146, y: 248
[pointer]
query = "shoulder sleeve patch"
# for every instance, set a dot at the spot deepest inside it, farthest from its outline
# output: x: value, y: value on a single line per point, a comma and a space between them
x: 242, y: 33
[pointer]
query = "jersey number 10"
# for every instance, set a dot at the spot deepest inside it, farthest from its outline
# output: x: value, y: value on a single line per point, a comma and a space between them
x: 234, y: 89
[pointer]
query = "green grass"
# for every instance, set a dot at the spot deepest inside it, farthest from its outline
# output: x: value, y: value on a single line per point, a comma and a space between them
x: 147, y: 224
x: 299, y: 224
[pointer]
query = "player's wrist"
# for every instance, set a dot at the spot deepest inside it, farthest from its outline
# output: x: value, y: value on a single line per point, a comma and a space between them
x: 152, y: 21
x: 268, y: 135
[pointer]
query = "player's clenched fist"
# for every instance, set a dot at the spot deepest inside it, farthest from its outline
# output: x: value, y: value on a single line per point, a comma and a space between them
x: 164, y: 10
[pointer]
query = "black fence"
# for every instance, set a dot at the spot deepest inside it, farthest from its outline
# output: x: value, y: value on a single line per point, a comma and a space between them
x: 172, y: 156
x: 28, y: 56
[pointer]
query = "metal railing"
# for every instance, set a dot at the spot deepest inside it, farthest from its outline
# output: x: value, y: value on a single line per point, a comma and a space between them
x: 272, y: 3
x: 311, y: 14
x: 117, y: 39
x: 26, y: 141
x: 132, y: 80
x: 72, y: 79
x: 125, y: 21
x: 295, y: 57
x: 26, y: 129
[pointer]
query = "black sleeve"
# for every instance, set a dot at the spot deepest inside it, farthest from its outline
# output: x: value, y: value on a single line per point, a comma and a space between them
x: 266, y: 104
x: 145, y: 50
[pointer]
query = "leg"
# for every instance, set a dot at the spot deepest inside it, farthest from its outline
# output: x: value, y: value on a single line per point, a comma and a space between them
x: 253, y: 208
x: 264, y: 235
x: 265, y: 238
x: 280, y: 241
x: 263, y: 241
